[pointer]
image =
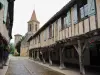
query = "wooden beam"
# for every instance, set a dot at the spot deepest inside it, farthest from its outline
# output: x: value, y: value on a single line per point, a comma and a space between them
x: 80, y: 53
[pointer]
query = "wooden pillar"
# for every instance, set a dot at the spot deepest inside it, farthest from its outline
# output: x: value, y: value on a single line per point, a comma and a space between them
x: 29, y: 54
x: 43, y: 58
x: 38, y: 58
x: 80, y: 49
x: 62, y: 66
x: 50, y: 60
x: 32, y: 54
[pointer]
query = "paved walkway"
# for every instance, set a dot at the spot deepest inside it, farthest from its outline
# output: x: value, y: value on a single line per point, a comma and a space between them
x: 67, y: 71
x: 23, y: 66
x: 4, y: 70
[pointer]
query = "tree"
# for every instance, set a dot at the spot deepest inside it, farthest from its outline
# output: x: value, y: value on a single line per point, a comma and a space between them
x: 18, y: 45
x: 12, y: 48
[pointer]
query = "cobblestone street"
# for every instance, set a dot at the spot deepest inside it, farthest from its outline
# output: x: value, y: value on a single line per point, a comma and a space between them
x: 21, y: 66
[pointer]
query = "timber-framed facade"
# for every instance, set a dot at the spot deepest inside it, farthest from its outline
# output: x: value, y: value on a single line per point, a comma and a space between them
x: 6, y: 24
x: 72, y: 35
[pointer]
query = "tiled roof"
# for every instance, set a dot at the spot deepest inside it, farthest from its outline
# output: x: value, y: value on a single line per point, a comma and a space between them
x: 33, y: 17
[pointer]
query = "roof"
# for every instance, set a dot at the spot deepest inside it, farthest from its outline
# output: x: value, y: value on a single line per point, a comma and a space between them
x: 33, y: 17
x: 55, y: 17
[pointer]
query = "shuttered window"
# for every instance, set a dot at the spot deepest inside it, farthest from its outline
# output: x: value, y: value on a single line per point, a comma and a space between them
x: 65, y: 23
x: 45, y: 35
x: 91, y: 7
x: 62, y: 23
x: 39, y: 38
x: 82, y: 12
x: 52, y: 30
x: 86, y: 9
x: 5, y: 5
x: 75, y: 17
x: 68, y: 19
x: 5, y: 10
x: 59, y: 24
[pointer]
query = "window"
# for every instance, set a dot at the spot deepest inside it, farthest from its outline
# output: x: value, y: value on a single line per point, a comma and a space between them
x: 65, y: 22
x: 87, y: 8
x: 56, y: 28
x: 50, y: 31
x: 68, y: 19
x: 30, y: 27
x: 83, y: 7
x: 35, y: 41
x: 36, y: 27
x: 91, y: 7
x: 59, y: 24
x: 75, y: 15
x: 39, y: 39
x: 62, y: 23
x: 45, y: 35
x: 56, y: 21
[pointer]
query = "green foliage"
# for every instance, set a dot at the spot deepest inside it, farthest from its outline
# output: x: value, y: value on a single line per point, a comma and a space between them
x: 18, y: 45
x: 12, y: 48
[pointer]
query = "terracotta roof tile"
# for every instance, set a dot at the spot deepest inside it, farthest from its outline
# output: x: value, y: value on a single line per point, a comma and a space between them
x: 33, y: 17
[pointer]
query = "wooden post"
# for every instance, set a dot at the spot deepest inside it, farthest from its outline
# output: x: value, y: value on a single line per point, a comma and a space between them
x: 80, y: 50
x: 32, y: 54
x: 43, y: 58
x: 50, y: 61
x: 38, y: 58
x: 62, y: 66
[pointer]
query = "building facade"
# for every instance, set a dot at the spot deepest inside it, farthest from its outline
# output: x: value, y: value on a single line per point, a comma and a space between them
x: 6, y: 23
x: 33, y: 26
x: 72, y: 35
x: 18, y: 38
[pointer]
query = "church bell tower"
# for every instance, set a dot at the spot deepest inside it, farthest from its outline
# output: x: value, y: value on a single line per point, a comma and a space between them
x: 33, y: 24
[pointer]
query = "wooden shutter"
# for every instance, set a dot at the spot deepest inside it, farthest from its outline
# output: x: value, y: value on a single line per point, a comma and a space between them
x: 5, y: 10
x: 69, y: 18
x: 82, y: 12
x: 75, y: 14
x: 48, y: 33
x: 52, y: 30
x: 91, y: 7
x: 59, y: 24
x: 86, y: 9
x: 5, y: 4
x: 2, y: 2
x: 45, y: 34
x: 65, y: 22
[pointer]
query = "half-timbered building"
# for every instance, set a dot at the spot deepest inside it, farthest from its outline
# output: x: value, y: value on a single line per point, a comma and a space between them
x: 72, y: 35
x: 6, y: 24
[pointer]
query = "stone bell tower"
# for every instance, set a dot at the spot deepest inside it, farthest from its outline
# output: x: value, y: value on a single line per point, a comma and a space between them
x: 33, y: 24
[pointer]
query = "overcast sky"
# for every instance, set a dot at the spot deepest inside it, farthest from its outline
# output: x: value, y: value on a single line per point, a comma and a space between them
x: 44, y: 9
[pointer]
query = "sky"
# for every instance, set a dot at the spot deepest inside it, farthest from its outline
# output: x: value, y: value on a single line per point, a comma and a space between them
x: 44, y: 9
